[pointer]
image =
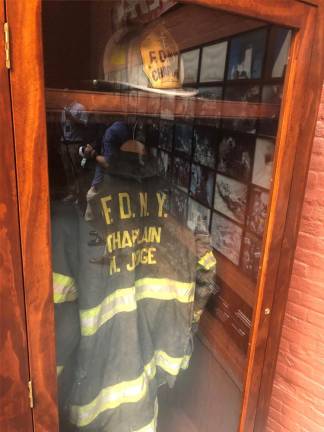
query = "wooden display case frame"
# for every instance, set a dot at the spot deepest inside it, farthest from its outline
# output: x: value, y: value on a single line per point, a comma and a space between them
x: 293, y: 148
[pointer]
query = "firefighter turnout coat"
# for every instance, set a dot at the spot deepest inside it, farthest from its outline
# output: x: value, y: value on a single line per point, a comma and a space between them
x: 138, y: 309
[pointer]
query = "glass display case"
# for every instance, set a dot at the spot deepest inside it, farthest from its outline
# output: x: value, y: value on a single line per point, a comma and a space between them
x: 159, y: 170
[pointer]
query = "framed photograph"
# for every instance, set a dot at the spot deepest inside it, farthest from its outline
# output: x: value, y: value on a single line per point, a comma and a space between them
x: 197, y: 215
x: 166, y: 135
x: 181, y: 173
x: 152, y: 132
x: 226, y: 237
x: 201, y: 184
x: 183, y: 139
x: 165, y: 164
x: 213, y: 62
x: 230, y: 198
x: 179, y: 204
x: 263, y: 162
x: 279, y: 45
x: 205, y: 139
x: 190, y: 62
x: 257, y: 214
x: 246, y: 55
x: 235, y: 156
x: 251, y: 254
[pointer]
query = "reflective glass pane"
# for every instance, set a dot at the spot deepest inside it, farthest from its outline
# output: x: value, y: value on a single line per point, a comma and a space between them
x: 161, y: 120
x: 213, y: 62
x: 190, y: 65
x: 280, y: 39
x: 246, y: 55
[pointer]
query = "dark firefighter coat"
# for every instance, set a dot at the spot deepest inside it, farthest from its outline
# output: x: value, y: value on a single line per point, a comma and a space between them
x: 65, y: 252
x: 137, y: 310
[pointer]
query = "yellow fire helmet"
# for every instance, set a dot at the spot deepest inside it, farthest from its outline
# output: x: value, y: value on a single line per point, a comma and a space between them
x: 146, y: 60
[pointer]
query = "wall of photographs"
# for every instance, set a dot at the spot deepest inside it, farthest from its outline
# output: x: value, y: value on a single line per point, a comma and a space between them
x: 222, y: 178
x: 222, y: 168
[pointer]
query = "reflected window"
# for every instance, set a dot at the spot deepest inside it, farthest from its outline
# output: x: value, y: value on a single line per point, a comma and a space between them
x: 246, y: 55
x: 213, y: 62
x: 190, y: 66
x: 280, y: 39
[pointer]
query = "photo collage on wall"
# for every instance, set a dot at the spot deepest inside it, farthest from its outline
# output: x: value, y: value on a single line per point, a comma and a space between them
x: 222, y: 170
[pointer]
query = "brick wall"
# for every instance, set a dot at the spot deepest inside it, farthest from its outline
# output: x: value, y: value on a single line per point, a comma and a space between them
x: 297, y: 403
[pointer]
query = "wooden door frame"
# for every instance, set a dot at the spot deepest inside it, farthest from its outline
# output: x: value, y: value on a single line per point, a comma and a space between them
x: 27, y: 94
x: 293, y: 150
x: 15, y: 412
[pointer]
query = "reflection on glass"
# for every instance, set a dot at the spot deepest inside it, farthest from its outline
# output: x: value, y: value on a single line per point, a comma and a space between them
x: 271, y: 94
x: 279, y: 50
x: 213, y: 62
x: 246, y: 55
x: 74, y: 120
x: 160, y: 160
x: 190, y: 66
x: 211, y: 92
x: 243, y: 93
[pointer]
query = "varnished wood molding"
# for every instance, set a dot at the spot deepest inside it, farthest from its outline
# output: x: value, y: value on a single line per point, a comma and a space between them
x: 149, y: 105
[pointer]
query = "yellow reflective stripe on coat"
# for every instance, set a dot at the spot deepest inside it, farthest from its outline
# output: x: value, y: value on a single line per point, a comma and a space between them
x: 125, y: 300
x: 172, y: 365
x: 151, y: 427
x: 131, y: 391
x: 164, y: 289
x: 64, y: 288
x: 207, y: 261
x: 113, y: 396
x: 122, y: 300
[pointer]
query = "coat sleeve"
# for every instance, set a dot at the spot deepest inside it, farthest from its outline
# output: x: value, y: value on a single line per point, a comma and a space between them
x: 65, y: 248
x: 205, y: 272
